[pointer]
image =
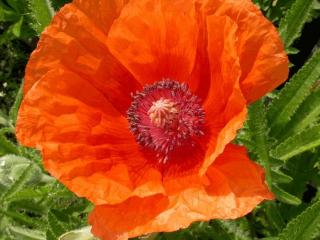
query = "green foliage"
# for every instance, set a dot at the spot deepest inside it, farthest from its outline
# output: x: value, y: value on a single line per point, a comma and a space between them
x: 13, y: 58
x: 292, y: 23
x: 34, y: 205
x: 296, y: 144
x: 41, y: 13
x: 293, y: 94
x: 14, y: 14
x: 258, y: 131
x: 274, y: 9
x: 278, y: 10
x: 13, y: 113
x: 306, y: 116
x: 6, y: 146
x: 304, y: 226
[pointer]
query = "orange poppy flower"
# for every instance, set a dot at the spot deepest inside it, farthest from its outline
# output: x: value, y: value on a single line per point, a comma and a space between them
x: 133, y: 105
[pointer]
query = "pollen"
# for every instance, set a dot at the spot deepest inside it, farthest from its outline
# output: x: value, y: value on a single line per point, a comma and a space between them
x: 163, y: 113
x: 165, y: 116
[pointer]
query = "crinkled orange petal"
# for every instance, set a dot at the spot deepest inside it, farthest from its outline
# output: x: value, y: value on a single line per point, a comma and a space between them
x: 85, y: 141
x: 234, y: 187
x: 263, y: 61
x: 225, y: 105
x: 245, y: 178
x: 101, y: 12
x: 114, y: 222
x: 76, y: 40
x: 156, y: 39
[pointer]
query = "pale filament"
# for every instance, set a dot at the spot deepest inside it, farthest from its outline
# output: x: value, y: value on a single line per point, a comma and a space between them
x: 163, y: 112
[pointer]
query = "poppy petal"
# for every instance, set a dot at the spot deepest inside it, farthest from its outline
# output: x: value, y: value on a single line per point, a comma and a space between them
x: 74, y: 40
x: 225, y: 105
x: 263, y: 61
x: 101, y: 12
x: 113, y: 222
x: 85, y: 142
x: 149, y: 40
x: 235, y: 186
x: 245, y: 178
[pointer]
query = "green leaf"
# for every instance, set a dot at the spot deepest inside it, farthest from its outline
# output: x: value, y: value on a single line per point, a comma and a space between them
x: 284, y: 196
x: 22, y: 218
x: 26, y: 234
x: 302, y: 169
x: 259, y: 130
x: 258, y: 127
x: 4, y: 120
x: 55, y: 228
x: 274, y: 216
x: 291, y: 25
x: 16, y: 28
x: 7, y: 14
x: 292, y: 50
x: 15, y: 4
x: 305, y: 226
x: 231, y: 230
x: 280, y: 177
x: 25, y: 177
x: 27, y: 193
x: 303, y: 141
x: 80, y: 234
x: 6, y: 147
x: 42, y: 13
x: 15, y: 107
x: 307, y: 114
x: 293, y: 94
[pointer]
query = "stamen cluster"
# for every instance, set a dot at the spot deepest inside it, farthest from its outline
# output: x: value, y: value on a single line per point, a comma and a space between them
x: 165, y: 116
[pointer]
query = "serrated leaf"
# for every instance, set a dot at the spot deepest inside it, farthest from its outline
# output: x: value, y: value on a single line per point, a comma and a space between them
x: 26, y: 234
x: 16, y: 27
x: 258, y: 127
x: 14, y: 4
x: 4, y: 119
x: 303, y: 141
x: 274, y: 216
x: 284, y: 196
x: 15, y: 107
x: 42, y: 13
x: 306, y: 115
x: 25, y: 176
x: 302, y: 169
x: 7, y: 14
x: 79, y: 234
x: 291, y: 25
x: 22, y: 218
x: 28, y: 193
x: 7, y: 147
x: 28, y: 206
x: 55, y: 227
x: 259, y: 130
x: 293, y: 94
x: 305, y: 226
x: 231, y: 230
x: 280, y: 177
x: 292, y: 50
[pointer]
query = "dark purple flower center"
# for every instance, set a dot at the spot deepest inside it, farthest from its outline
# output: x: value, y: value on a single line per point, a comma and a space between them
x: 165, y: 116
